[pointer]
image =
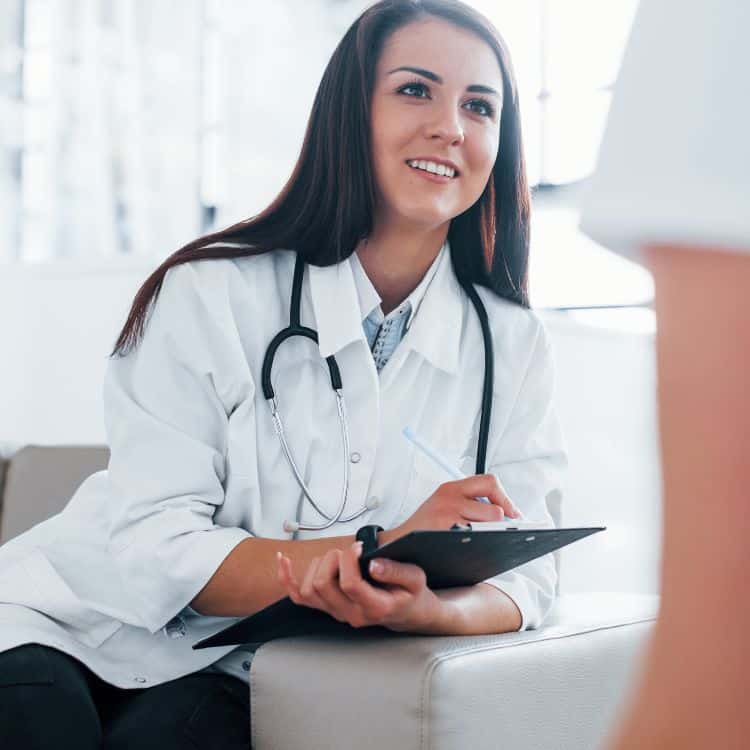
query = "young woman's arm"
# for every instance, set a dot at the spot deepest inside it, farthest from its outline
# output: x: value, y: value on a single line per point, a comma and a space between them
x: 463, y: 610
x: 232, y: 592
x: 324, y: 573
x: 701, y: 639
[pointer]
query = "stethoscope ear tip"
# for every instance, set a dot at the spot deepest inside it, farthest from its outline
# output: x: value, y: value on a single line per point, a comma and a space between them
x: 290, y: 527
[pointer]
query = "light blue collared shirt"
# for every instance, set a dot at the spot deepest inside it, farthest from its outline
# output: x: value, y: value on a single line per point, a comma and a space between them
x: 384, y: 332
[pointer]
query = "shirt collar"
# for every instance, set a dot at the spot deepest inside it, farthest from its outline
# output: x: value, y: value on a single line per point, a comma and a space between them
x: 434, y: 333
x: 370, y: 301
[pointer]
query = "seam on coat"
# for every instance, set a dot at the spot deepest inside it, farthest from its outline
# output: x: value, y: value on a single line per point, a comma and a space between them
x: 3, y: 483
x: 253, y: 696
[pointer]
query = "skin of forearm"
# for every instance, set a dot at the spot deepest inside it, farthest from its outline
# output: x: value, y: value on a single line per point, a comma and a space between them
x: 703, y: 314
x: 468, y: 610
x: 700, y: 640
x: 231, y: 592
x: 476, y: 610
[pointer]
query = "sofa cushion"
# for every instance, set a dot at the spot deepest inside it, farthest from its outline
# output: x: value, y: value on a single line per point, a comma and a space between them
x: 39, y: 481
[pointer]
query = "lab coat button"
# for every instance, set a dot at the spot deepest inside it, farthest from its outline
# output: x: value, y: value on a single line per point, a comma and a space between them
x: 246, y: 665
x: 355, y: 457
x: 141, y: 680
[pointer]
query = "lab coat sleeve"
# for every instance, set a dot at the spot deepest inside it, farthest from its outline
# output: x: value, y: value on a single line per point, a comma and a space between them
x: 166, y: 407
x: 529, y: 459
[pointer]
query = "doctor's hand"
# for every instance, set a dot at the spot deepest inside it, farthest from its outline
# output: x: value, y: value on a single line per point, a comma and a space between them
x: 455, y: 503
x: 334, y: 584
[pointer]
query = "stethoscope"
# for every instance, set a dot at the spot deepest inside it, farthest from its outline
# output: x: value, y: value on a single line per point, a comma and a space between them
x: 295, y: 329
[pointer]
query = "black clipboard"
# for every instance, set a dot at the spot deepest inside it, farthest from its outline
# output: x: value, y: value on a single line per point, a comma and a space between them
x: 449, y: 558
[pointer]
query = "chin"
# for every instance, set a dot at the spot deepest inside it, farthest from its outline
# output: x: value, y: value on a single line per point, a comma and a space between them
x: 427, y: 216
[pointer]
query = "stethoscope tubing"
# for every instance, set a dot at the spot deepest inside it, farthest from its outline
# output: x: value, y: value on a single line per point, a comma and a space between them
x: 296, y: 329
x: 489, y: 377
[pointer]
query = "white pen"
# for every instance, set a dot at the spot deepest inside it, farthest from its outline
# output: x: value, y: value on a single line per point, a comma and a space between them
x: 441, y: 461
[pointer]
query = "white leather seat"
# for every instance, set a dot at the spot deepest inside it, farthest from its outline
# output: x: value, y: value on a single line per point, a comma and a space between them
x: 555, y: 688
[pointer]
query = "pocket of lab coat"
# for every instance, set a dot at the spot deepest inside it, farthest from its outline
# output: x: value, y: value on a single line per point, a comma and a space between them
x: 36, y: 584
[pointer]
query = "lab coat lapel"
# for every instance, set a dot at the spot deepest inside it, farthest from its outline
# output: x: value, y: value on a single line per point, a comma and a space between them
x: 336, y: 306
x: 338, y: 320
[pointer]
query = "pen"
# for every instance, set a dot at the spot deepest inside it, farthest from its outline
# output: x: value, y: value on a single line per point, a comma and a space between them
x: 441, y: 461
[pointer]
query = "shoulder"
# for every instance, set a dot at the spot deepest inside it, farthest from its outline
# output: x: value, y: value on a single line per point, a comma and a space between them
x: 213, y: 283
x: 209, y: 272
x: 514, y: 328
x: 521, y: 344
x: 209, y: 312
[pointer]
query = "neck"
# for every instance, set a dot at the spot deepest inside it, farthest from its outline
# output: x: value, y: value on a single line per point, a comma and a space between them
x: 396, y: 260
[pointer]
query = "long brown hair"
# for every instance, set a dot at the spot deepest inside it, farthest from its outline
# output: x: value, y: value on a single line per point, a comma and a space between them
x: 326, y: 208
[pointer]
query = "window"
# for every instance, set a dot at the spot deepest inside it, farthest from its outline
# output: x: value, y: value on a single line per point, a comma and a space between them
x: 133, y: 126
x: 567, y: 54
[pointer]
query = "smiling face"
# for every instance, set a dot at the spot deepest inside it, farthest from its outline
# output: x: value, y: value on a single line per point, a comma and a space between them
x: 437, y: 98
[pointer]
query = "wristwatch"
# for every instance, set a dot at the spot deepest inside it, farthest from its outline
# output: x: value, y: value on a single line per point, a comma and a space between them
x: 368, y: 535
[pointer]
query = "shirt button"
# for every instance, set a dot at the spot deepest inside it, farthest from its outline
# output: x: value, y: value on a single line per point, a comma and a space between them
x: 140, y: 680
x: 355, y: 457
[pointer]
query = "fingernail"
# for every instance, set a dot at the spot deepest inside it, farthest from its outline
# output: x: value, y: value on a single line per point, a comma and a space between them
x: 376, y: 566
x: 357, y: 547
x: 278, y: 555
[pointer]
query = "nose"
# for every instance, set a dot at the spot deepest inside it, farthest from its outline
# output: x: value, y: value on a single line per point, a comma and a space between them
x: 447, y: 126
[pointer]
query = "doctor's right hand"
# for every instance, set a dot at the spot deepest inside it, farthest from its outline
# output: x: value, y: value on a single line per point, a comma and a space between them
x: 455, y: 503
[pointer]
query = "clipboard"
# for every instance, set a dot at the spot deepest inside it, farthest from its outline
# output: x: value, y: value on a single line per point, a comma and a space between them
x: 457, y: 557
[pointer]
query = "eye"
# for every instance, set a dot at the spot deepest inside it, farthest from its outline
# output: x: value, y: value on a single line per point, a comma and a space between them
x: 415, y: 86
x: 484, y: 107
x: 419, y: 90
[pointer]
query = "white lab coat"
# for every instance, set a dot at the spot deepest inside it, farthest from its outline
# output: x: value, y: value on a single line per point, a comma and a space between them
x: 196, y: 466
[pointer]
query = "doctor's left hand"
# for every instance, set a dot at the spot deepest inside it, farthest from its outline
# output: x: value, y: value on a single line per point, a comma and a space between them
x: 333, y: 583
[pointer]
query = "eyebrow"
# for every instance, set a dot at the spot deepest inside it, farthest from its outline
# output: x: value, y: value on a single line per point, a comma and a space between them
x: 474, y: 88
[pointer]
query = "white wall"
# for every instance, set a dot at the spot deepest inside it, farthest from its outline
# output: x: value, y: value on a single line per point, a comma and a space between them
x: 606, y: 397
x: 59, y: 322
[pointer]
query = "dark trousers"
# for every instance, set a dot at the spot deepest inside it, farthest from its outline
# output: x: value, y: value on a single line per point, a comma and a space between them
x: 50, y: 700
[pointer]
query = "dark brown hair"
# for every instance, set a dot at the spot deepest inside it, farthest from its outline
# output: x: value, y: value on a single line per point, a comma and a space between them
x: 326, y: 208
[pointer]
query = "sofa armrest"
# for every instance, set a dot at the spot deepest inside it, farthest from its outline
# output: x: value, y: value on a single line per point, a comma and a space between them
x: 557, y: 687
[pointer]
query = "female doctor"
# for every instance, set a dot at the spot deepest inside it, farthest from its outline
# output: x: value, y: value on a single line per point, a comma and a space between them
x: 409, y: 195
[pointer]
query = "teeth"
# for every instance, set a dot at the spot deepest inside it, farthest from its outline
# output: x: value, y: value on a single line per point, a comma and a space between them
x: 431, y: 166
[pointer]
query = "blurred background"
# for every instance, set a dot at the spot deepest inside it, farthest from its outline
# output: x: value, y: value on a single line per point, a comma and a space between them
x: 130, y: 127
